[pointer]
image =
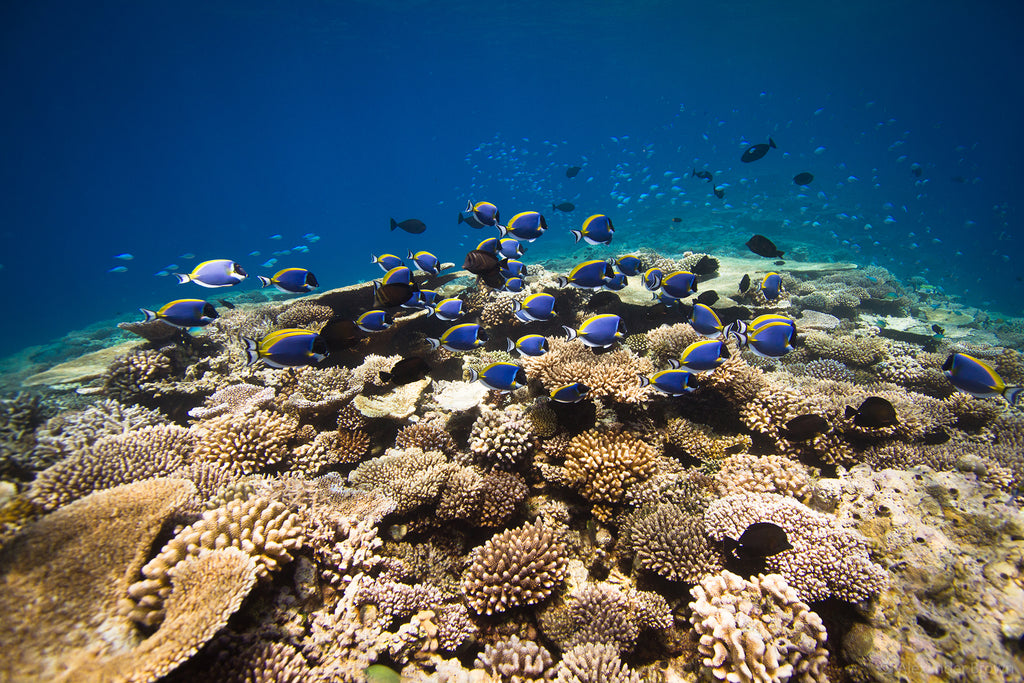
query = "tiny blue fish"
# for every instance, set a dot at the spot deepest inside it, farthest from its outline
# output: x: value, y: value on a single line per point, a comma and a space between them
x: 703, y: 355
x: 652, y: 279
x: 386, y: 261
x: 674, y: 382
x: 629, y: 264
x: 528, y: 225
x: 292, y: 280
x: 597, y: 229
x: 679, y: 284
x: 570, y: 393
x: 529, y: 345
x: 374, y: 321
x: 269, y: 263
x: 514, y: 284
x: 588, y: 275
x: 188, y: 256
x: 401, y: 275
x: 426, y: 262
x: 975, y: 377
x: 503, y: 377
x: 705, y: 321
x: 124, y: 257
x: 771, y: 286
x: 183, y: 313
x: 286, y: 348
x: 118, y: 269
x: 540, y: 306
x: 448, y: 309
x: 599, y: 331
x: 463, y: 337
x: 216, y: 273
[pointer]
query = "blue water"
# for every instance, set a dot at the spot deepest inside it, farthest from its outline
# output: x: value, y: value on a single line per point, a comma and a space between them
x: 161, y: 129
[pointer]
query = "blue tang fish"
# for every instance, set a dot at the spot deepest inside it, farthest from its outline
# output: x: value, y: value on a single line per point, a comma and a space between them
x: 183, y: 313
x: 972, y: 376
x: 652, y: 279
x: 616, y: 282
x: 421, y: 298
x: 386, y: 261
x: 599, y: 331
x: 597, y: 229
x: 374, y: 321
x: 771, y: 340
x: 216, y: 273
x: 588, y: 275
x: 426, y: 262
x: 538, y: 307
x: 771, y: 286
x: 286, y: 348
x: 512, y: 268
x: 528, y: 225
x: 630, y: 265
x: 483, y: 213
x: 510, y: 248
x: 463, y: 337
x: 514, y: 284
x: 679, y: 284
x: 741, y: 327
x: 674, y: 382
x: 529, y: 345
x: 448, y: 309
x: 503, y: 377
x: 703, y: 355
x: 291, y: 280
x: 401, y: 275
x: 570, y: 393
x: 705, y: 321
x: 491, y: 245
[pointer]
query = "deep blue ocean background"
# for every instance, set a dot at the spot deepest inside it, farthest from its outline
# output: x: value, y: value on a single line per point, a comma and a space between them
x: 166, y: 128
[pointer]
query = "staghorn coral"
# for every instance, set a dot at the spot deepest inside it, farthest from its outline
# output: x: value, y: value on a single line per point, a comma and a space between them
x: 343, y: 547
x: 397, y: 601
x: 825, y: 561
x: 762, y: 474
x: 245, y: 443
x: 757, y: 631
x: 500, y: 438
x: 111, y: 461
x: 411, y: 477
x: 602, y: 466
x: 701, y: 442
x: 609, y: 375
x: 127, y: 376
x: 71, y: 431
x: 454, y: 626
x: 516, y: 567
x: 320, y: 391
x: 594, y: 663
x: 516, y: 661
x: 340, y: 447
x: 691, y: 490
x: 426, y: 437
x: 262, y: 528
x: 58, y: 606
x: 671, y: 542
x: 235, y: 399
x: 260, y: 661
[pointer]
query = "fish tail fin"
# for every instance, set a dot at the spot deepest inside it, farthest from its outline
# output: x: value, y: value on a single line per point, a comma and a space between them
x: 183, y: 278
x: 150, y: 315
x: 394, y: 224
x: 373, y: 258
x: 1013, y: 394
x: 502, y: 230
x: 645, y: 381
x: 473, y: 375
x: 577, y: 235
x: 434, y: 343
x: 510, y: 345
x: 729, y: 546
x: 252, y: 353
x: 771, y: 143
x: 570, y: 333
x: 674, y: 363
x: 516, y: 306
x: 554, y: 208
x: 461, y: 220
x: 410, y: 254
x: 469, y: 206
x: 264, y: 281
x: 562, y: 281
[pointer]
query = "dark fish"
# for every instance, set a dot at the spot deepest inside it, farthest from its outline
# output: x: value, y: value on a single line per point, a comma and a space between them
x: 757, y: 151
x: 572, y: 171
x: 703, y: 175
x: 340, y: 334
x: 779, y: 263
x: 708, y: 298
x: 493, y: 279
x: 759, y: 540
x: 564, y: 206
x: 875, y: 412
x: 406, y: 371
x: 762, y: 246
x: 413, y: 225
x: 916, y: 169
x: 936, y: 437
x: 479, y: 262
x: 719, y: 192
x: 226, y: 303
x: 744, y: 283
x: 394, y: 294
x: 938, y: 330
x: 805, y: 427
x: 677, y: 220
x: 804, y: 178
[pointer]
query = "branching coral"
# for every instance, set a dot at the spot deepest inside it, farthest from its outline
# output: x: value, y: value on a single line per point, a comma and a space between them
x: 594, y: 663
x: 127, y: 376
x: 245, y: 443
x: 234, y: 399
x: 602, y: 466
x: 762, y: 474
x: 340, y: 447
x: 612, y: 374
x: 501, y: 438
x: 523, y: 661
x: 700, y: 442
x: 71, y: 431
x: 671, y: 542
x: 410, y: 477
x: 425, y: 437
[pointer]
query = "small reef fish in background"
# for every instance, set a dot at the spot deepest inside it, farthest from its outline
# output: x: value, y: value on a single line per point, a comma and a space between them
x: 597, y: 229
x: 514, y: 284
x: 183, y: 313
x: 570, y: 393
x: 291, y: 280
x: 744, y: 283
x: 118, y: 269
x: 679, y: 284
x: 616, y: 282
x: 413, y: 226
x: 755, y: 152
x: 290, y: 347
x: 762, y: 246
x: 703, y: 175
x: 397, y: 275
x: 124, y: 257
x: 572, y: 171
x: 448, y: 309
x: 564, y: 206
x: 874, y: 413
x: 464, y: 337
x: 630, y: 265
x: 510, y: 248
x: 529, y: 345
x: 588, y: 275
x: 804, y: 178
x: 528, y: 225
x: 805, y: 427
x: 599, y: 331
x: 758, y: 541
x: 215, y: 273
x: 503, y: 377
x: 387, y: 261
x: 513, y: 268
x: 973, y: 376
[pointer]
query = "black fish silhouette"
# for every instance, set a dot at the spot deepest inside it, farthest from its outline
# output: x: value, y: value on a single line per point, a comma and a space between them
x: 572, y: 171
x: 340, y: 334
x: 762, y: 246
x: 406, y: 371
x: 719, y: 192
x: 479, y: 262
x: 708, y: 298
x: 758, y: 541
x: 805, y: 427
x: 744, y: 283
x: 227, y: 303
x: 703, y: 175
x: 874, y: 413
x: 564, y: 206
x: 755, y: 152
x: 804, y: 178
x: 412, y: 225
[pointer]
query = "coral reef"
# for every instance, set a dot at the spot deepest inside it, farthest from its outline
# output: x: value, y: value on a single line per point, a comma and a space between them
x: 244, y: 443
x: 603, y: 465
